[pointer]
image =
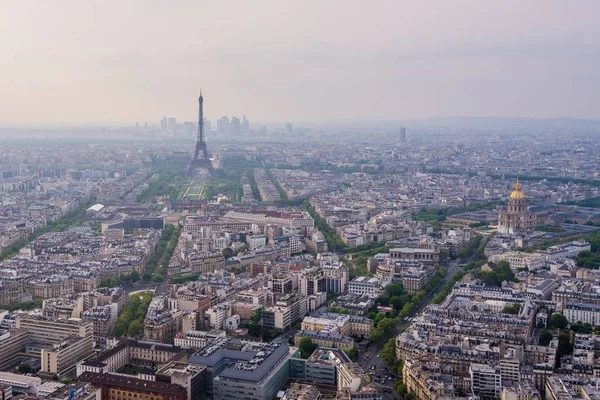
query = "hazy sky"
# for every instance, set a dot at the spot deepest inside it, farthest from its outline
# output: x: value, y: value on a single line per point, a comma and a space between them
x: 124, y: 61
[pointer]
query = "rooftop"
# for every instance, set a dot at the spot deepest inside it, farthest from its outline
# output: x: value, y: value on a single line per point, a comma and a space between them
x: 132, y: 383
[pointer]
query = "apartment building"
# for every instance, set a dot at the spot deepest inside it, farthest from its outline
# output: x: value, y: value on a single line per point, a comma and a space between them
x: 486, y: 381
x: 190, y: 377
x: 363, y: 285
x: 287, y: 309
x: 582, y: 312
x: 48, y: 332
x: 61, y: 359
x: 11, y: 344
x: 162, y: 325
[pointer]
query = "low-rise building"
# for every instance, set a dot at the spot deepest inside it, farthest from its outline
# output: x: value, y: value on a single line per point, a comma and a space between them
x: 426, y: 254
x: 299, y: 391
x: 191, y: 377
x: 582, y: 312
x: 520, y: 260
x: 115, y: 386
x: 259, y: 377
x: 11, y: 344
x: 326, y: 339
x: 363, y: 285
x: 197, y: 339
x: 27, y: 384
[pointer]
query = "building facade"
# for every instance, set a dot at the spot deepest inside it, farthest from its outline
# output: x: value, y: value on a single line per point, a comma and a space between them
x: 517, y: 216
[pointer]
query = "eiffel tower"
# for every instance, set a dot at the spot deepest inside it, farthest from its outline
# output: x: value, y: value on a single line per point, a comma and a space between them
x: 200, y: 162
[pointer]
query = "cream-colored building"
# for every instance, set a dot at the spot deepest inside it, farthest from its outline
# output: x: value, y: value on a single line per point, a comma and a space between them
x: 349, y: 325
x: 40, y: 289
x: 162, y: 325
x: 519, y: 259
x: 422, y: 382
x: 67, y: 342
x: 49, y: 332
x: 62, y: 358
x: 323, y: 339
x: 350, y: 375
x: 11, y: 344
x: 124, y: 352
x: 298, y: 391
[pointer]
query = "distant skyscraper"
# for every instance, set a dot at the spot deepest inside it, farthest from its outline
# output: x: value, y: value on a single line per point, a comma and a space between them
x: 236, y: 126
x: 163, y: 124
x: 189, y: 129
x: 245, y: 125
x: 207, y: 125
x: 223, y: 125
x: 402, y: 135
x: 172, y: 125
x: 289, y: 127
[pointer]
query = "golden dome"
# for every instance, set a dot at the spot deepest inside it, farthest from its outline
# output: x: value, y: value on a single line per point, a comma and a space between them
x: 517, y: 194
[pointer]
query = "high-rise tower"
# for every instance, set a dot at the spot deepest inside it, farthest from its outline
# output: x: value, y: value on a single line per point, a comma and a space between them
x: 200, y: 159
x: 402, y: 135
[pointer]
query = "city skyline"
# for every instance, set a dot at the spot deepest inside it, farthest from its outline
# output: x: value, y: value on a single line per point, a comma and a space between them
x: 390, y: 200
x: 91, y: 65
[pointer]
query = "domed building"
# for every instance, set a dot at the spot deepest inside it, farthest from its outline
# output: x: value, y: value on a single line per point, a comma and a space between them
x: 517, y: 215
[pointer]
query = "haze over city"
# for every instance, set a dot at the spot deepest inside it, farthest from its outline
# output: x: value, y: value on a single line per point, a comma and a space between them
x: 277, y: 200
x: 111, y: 63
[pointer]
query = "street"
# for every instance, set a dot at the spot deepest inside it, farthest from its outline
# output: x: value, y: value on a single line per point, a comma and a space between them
x: 370, y: 359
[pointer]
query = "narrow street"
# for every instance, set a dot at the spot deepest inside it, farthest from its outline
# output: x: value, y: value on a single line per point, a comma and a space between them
x: 370, y: 359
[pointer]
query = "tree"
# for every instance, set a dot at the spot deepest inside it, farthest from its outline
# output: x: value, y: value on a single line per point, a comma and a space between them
x: 352, y: 353
x: 545, y: 338
x: 387, y: 325
x: 558, y: 321
x: 338, y: 310
x: 377, y: 335
x: 407, y: 309
x: 227, y: 252
x: 254, y: 330
x: 25, y: 368
x: 121, y: 328
x: 307, y: 347
x: 582, y: 328
x: 512, y: 309
x: 388, y: 354
x: 394, y: 289
x: 384, y: 328
x: 378, y: 318
x: 134, y: 276
x: 401, y: 389
x: 147, y: 277
x: 396, y: 302
x: 135, y: 329
x: 384, y: 300
x: 256, y: 316
x: 564, y: 345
